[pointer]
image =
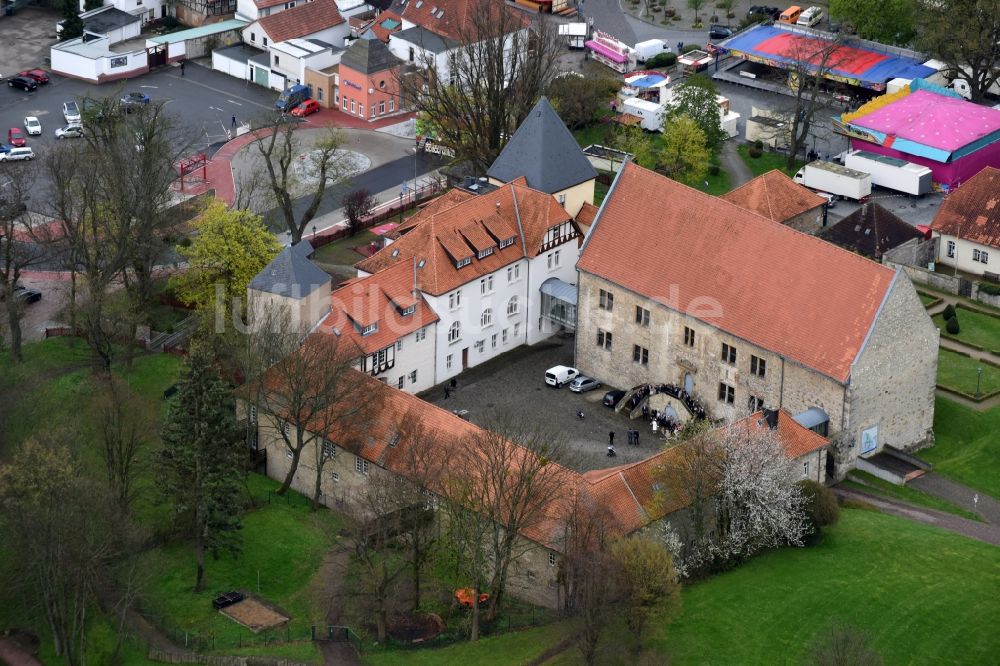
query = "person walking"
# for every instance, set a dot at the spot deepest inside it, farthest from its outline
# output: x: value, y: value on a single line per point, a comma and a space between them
x: 611, y: 438
x: 182, y: 68
x: 635, y: 437
x: 234, y: 120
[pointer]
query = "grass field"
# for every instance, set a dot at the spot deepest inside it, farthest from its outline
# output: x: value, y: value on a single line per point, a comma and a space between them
x: 768, y: 161
x: 966, y: 445
x: 959, y: 372
x: 926, y: 299
x: 876, y: 486
x: 975, y: 328
x: 894, y: 578
x: 342, y: 251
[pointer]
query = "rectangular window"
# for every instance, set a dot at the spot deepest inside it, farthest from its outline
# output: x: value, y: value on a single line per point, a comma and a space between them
x: 392, y: 104
x: 517, y: 329
x: 354, y: 106
x: 561, y: 199
x: 607, y: 300
x: 755, y: 404
x: 688, y: 336
x: 480, y: 346
x: 603, y: 339
x: 413, y: 377
x: 369, y: 329
x: 984, y: 257
x: 329, y: 450
x: 420, y: 334
x: 455, y: 299
x: 463, y: 262
x: 399, y: 345
x: 951, y: 249
x: 640, y: 355
x: 288, y: 453
x: 265, y: 41
x: 506, y: 242
x: 361, y: 109
x: 285, y: 428
x: 401, y: 382
x: 552, y: 559
x: 373, y: 111
x: 276, y: 60
x: 253, y: 37
x: 728, y: 353
x: 253, y: 413
x: 758, y: 366
x: 336, y: 477
x: 493, y: 341
x: 641, y: 316
x: 344, y: 102
x: 319, y: 94
x: 381, y: 107
x: 447, y: 362
x: 805, y: 468
x: 727, y: 393
x: 360, y: 465
x: 504, y: 332
x: 553, y: 259
x: 486, y: 285
x: 513, y: 273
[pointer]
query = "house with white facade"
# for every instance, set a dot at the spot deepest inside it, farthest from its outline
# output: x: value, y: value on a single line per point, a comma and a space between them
x: 143, y: 10
x: 967, y: 226
x: 251, y: 10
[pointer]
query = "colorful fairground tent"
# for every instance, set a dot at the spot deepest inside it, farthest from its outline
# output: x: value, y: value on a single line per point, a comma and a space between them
x: 859, y: 63
x: 927, y: 125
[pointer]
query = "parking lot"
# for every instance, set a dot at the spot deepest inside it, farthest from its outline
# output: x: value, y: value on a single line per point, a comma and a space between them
x: 515, y: 382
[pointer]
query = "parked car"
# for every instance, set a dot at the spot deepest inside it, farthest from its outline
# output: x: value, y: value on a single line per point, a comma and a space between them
x: 831, y: 199
x: 16, y: 154
x: 70, y: 132
x: 810, y: 17
x: 23, y: 82
x: 612, y: 398
x: 39, y: 75
x: 32, y: 126
x: 306, y: 108
x: 15, y: 137
x: 71, y: 112
x: 134, y: 99
x: 764, y: 12
x: 719, y: 32
x: 24, y: 295
x: 560, y: 374
x: 582, y: 384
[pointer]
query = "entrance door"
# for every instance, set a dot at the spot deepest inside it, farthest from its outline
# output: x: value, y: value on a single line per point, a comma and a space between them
x: 261, y: 76
x: 157, y: 56
x: 465, y: 358
x: 163, y: 11
x: 688, y: 383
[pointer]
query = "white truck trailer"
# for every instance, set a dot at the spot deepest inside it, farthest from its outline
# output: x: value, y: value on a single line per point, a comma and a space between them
x: 891, y: 172
x: 650, y: 48
x: 835, y: 179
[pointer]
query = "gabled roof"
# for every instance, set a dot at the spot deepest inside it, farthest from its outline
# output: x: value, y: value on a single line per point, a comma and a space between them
x: 972, y: 211
x: 870, y: 231
x: 543, y: 151
x: 290, y: 273
x: 455, y: 19
x: 763, y: 282
x: 775, y: 196
x: 301, y: 20
x: 110, y: 18
x: 378, y: 299
x: 368, y: 56
x: 440, y: 235
x: 586, y: 216
x: 425, y: 39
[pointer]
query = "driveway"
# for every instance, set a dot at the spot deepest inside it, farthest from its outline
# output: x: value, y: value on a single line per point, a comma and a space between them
x: 25, y: 38
x: 514, y: 382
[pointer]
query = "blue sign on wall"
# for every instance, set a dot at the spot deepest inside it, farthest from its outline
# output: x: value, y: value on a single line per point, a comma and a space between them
x: 869, y: 440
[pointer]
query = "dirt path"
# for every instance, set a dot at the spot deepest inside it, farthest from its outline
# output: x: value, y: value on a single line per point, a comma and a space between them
x: 739, y: 172
x: 332, y: 574
x: 958, y: 494
x: 975, y: 530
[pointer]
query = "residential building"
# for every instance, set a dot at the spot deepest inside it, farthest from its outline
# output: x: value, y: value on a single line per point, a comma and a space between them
x: 143, y: 10
x: 369, y: 80
x: 544, y: 152
x: 386, y: 317
x: 871, y: 231
x: 293, y: 283
x: 780, y: 199
x: 482, y: 263
x: 967, y: 225
x: 745, y: 313
x: 251, y: 10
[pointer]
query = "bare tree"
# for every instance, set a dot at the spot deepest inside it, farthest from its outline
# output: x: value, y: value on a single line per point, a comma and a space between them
x: 279, y: 149
x: 126, y: 426
x: 842, y: 645
x: 357, y: 205
x: 965, y: 34
x: 476, y: 102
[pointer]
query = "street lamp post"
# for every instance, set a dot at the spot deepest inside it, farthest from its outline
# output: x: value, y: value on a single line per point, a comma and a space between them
x: 979, y: 379
x: 402, y: 193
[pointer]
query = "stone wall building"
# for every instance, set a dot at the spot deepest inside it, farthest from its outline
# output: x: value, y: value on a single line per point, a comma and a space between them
x: 778, y: 198
x: 744, y: 313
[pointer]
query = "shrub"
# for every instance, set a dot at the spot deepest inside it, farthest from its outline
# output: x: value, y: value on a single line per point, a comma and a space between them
x: 687, y: 48
x: 662, y: 60
x: 952, y: 326
x: 758, y: 144
x: 713, y: 169
x: 676, y: 17
x: 949, y: 312
x: 991, y: 289
x: 755, y: 152
x: 821, y: 504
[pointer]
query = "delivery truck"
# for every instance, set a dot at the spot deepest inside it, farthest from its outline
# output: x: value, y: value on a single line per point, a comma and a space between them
x: 649, y: 49
x: 891, y: 172
x: 835, y: 179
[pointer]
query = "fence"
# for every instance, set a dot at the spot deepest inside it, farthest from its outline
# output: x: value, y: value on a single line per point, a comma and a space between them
x: 217, y: 660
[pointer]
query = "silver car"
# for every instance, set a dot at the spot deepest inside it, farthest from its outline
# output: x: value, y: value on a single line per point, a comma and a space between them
x: 69, y: 132
x: 71, y: 112
x: 582, y: 384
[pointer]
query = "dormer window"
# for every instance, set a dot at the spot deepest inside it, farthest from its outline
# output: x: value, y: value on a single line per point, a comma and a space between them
x: 369, y: 329
x: 506, y: 243
x: 408, y: 310
x: 485, y: 253
x: 463, y: 262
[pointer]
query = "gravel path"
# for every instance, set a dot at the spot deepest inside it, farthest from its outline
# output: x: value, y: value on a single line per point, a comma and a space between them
x: 958, y: 494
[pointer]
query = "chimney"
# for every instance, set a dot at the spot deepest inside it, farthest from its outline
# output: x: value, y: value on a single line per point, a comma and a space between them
x: 771, y: 416
x: 498, y: 205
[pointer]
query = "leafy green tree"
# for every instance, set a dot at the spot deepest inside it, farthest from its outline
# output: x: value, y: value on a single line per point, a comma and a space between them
x: 229, y: 248
x: 577, y: 98
x: 199, y: 470
x: 647, y: 581
x: 697, y: 6
x: 685, y: 153
x: 72, y: 25
x: 634, y: 141
x: 888, y: 21
x: 964, y: 34
x: 697, y: 98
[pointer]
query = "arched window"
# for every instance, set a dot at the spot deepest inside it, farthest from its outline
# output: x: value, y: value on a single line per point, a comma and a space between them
x: 512, y: 307
x: 487, y: 318
x: 454, y: 332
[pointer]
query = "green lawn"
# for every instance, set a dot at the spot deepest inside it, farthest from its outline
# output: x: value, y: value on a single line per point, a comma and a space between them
x: 876, y: 486
x: 342, y: 251
x: 966, y: 446
x: 975, y: 328
x: 768, y: 161
x: 283, y: 547
x: 897, y: 579
x: 927, y: 299
x: 960, y: 373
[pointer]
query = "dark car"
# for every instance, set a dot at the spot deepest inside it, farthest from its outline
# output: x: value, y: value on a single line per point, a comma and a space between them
x: 25, y: 296
x: 23, y: 82
x: 764, y: 12
x: 39, y: 75
x: 134, y: 99
x: 612, y: 398
x: 719, y: 32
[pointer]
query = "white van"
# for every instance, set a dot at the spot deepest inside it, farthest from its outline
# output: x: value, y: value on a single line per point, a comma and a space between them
x: 23, y: 153
x: 560, y: 374
x: 810, y: 17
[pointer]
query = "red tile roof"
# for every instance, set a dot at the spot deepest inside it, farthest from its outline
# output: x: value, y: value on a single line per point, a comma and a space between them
x: 586, y: 216
x: 775, y: 196
x: 264, y: 4
x: 376, y: 299
x: 301, y: 20
x: 758, y: 280
x: 456, y: 19
x: 379, y: 28
x: 439, y: 235
x: 972, y: 211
